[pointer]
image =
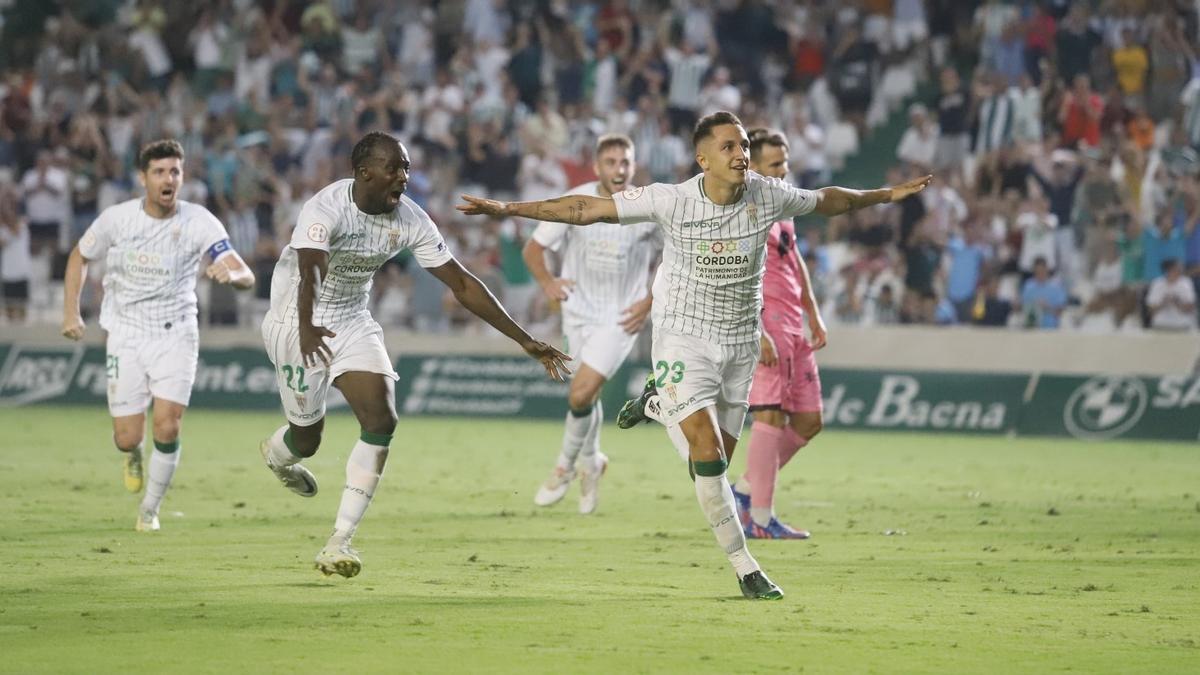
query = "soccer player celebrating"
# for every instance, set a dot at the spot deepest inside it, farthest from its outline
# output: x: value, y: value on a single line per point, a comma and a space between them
x: 707, y: 298
x: 319, y: 330
x: 605, y: 300
x: 152, y: 248
x: 785, y: 397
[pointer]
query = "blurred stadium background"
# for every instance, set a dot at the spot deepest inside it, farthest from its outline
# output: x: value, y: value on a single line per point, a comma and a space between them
x: 1062, y: 130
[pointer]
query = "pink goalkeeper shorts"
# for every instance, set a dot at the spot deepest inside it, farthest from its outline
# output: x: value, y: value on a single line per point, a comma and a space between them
x: 793, y: 384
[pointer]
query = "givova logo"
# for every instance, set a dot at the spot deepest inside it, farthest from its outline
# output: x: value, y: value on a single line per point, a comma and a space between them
x: 1105, y: 407
x: 37, y: 374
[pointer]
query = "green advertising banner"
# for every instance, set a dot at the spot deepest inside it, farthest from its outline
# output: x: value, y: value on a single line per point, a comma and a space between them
x: 1114, y: 406
x: 1090, y: 408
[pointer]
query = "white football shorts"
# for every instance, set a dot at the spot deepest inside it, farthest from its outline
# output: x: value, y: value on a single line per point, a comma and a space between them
x: 357, y: 347
x: 140, y: 370
x: 601, y: 348
x: 692, y: 373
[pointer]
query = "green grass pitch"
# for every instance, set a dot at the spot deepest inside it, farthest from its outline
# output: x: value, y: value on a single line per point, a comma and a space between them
x: 1005, y: 556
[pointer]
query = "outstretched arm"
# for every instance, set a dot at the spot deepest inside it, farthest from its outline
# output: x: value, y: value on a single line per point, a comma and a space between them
x: 570, y: 209
x: 472, y: 294
x: 837, y: 200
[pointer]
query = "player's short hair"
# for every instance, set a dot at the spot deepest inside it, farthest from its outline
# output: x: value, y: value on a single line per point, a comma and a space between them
x: 367, y: 145
x: 760, y: 136
x: 163, y: 149
x: 706, y: 124
x: 613, y: 141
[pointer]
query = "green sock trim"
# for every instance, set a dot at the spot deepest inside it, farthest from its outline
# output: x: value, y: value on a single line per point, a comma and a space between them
x: 583, y: 412
x: 287, y: 441
x: 168, y: 447
x: 375, y: 439
x: 714, y: 468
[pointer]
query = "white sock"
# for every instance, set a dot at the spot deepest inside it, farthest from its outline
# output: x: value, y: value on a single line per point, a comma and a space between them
x: 161, y: 468
x: 591, y: 442
x: 277, y: 451
x: 761, y: 515
x: 654, y: 408
x: 716, y: 500
x: 575, y: 433
x: 679, y: 441
x: 363, y: 471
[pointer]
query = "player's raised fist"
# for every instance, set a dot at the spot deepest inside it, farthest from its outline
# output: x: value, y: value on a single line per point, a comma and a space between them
x: 909, y: 188
x: 477, y: 206
x: 72, y: 328
x: 218, y: 272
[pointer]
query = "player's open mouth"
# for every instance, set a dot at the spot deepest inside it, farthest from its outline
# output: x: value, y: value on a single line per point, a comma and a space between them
x: 167, y: 193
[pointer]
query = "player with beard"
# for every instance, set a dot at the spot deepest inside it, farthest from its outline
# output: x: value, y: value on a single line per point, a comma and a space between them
x: 707, y: 302
x: 605, y: 300
x: 320, y: 332
x: 152, y: 247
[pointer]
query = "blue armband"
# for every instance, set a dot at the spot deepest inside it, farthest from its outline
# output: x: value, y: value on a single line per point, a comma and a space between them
x: 218, y: 248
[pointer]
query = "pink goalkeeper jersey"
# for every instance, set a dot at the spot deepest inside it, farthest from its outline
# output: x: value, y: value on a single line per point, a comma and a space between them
x: 783, y: 285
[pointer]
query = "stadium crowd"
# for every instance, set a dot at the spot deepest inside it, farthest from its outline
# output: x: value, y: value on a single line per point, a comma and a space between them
x: 1063, y: 135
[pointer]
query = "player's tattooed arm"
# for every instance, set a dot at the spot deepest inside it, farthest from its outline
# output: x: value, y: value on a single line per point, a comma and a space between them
x: 835, y: 201
x: 314, y: 264
x: 475, y: 296
x: 570, y: 209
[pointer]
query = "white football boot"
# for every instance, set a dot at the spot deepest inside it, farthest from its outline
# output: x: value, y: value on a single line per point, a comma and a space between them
x: 338, y: 557
x: 147, y: 522
x: 555, y: 487
x: 589, y: 484
x: 294, y: 477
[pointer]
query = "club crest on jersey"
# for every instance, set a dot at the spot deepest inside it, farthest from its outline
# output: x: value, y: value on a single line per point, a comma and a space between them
x: 633, y: 193
x: 175, y: 232
x: 672, y: 392
x: 394, y: 239
x: 318, y: 233
x: 752, y: 211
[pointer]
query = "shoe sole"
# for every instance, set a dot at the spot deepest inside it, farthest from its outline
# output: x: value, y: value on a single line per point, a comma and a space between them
x: 346, y: 568
x: 773, y: 595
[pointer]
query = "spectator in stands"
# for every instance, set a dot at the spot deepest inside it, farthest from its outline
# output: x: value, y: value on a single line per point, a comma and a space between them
x: 47, y: 197
x: 918, y: 145
x: 967, y: 254
x: 1110, y: 296
x: 15, y: 259
x: 1164, y: 240
x: 1043, y: 298
x: 1080, y: 114
x: 1074, y: 43
x: 1131, y: 62
x: 1172, y: 299
x: 953, y: 122
x: 1038, y: 242
x: 989, y: 309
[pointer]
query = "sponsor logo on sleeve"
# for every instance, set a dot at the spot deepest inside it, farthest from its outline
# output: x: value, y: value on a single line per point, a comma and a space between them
x: 318, y: 233
x: 633, y: 193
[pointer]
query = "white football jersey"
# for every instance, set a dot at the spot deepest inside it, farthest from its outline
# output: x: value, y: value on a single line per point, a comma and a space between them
x: 151, y: 266
x: 358, y: 244
x: 609, y: 263
x: 709, y: 284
